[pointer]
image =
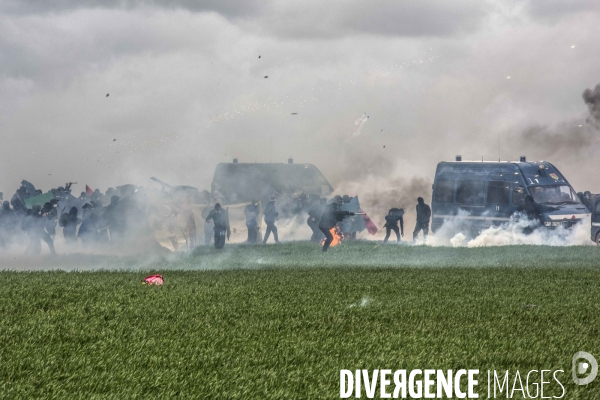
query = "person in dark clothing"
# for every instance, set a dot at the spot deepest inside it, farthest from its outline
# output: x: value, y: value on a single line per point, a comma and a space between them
x: 51, y: 215
x: 18, y: 201
x: 88, y: 225
x: 114, y: 216
x: 33, y: 223
x: 28, y: 189
x: 587, y: 200
x: 8, y: 218
x: 314, y: 217
x: 8, y: 222
x: 423, y: 216
x: 270, y: 215
x: 394, y: 216
x: 251, y: 212
x: 97, y: 196
x: 69, y: 223
x: 219, y: 218
x: 330, y: 217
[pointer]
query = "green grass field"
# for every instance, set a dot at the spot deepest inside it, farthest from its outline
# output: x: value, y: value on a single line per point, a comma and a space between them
x: 273, y: 322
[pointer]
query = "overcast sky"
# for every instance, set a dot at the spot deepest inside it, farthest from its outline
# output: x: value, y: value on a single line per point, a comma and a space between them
x: 187, y: 87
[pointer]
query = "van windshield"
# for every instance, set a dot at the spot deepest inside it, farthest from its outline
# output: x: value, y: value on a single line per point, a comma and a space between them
x: 555, y: 194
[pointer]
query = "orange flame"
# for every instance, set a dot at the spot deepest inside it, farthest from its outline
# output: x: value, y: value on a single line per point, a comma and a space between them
x: 337, y: 234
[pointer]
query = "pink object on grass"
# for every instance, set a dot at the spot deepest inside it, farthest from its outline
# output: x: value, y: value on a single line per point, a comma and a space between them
x: 153, y: 280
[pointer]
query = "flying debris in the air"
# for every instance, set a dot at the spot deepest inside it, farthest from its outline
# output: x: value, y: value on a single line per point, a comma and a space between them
x: 384, y: 146
x: 114, y: 140
x: 266, y: 76
x: 258, y: 56
x: 107, y: 94
x: 294, y: 113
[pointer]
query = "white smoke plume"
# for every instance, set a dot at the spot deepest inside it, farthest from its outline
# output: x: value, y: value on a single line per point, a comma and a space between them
x: 518, y: 231
x: 360, y: 123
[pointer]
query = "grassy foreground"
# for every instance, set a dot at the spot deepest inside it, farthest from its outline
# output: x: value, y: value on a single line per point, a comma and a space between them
x: 285, y: 325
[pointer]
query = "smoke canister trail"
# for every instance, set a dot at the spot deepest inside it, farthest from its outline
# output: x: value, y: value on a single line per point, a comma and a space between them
x: 360, y: 123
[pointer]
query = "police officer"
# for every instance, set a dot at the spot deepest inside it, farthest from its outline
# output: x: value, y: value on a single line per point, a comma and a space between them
x: 423, y: 216
x: 270, y: 215
x: 394, y: 216
x: 219, y: 217
x: 251, y: 213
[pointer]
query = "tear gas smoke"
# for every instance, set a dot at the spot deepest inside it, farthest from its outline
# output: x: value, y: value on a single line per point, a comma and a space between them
x: 294, y: 228
x: 381, y: 183
x: 517, y: 231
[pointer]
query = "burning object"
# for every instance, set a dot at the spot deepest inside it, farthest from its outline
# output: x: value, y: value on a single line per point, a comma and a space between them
x: 337, y: 234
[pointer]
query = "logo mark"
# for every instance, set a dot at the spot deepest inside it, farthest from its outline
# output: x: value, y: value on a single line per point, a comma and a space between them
x: 580, y: 367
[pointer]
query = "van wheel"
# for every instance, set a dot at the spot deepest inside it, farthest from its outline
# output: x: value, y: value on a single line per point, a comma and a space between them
x: 598, y: 239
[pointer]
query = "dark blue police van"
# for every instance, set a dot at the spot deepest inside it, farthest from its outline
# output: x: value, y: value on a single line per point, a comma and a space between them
x: 478, y: 194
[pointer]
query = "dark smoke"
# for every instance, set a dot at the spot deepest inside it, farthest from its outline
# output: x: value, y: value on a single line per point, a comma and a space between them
x: 571, y: 144
x: 566, y: 140
x: 592, y: 99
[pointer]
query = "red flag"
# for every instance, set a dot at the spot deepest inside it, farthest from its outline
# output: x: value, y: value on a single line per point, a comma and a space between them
x: 371, y: 228
x: 89, y: 190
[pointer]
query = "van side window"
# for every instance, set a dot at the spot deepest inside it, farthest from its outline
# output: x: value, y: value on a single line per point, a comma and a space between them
x: 598, y: 208
x: 518, y: 196
x: 470, y: 192
x: 498, y: 192
x: 444, y: 191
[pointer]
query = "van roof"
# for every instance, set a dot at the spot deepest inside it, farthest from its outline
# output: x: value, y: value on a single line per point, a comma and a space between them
x: 534, y: 172
x: 241, y: 182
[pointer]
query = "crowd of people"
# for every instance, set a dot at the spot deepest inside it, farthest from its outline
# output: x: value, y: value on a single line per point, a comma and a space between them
x: 91, y: 219
x: 97, y: 219
x: 341, y: 212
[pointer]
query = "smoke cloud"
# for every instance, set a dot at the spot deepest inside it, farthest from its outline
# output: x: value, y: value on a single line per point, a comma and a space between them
x: 377, y: 194
x: 434, y: 86
x: 517, y: 231
x: 570, y: 144
x: 592, y: 99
